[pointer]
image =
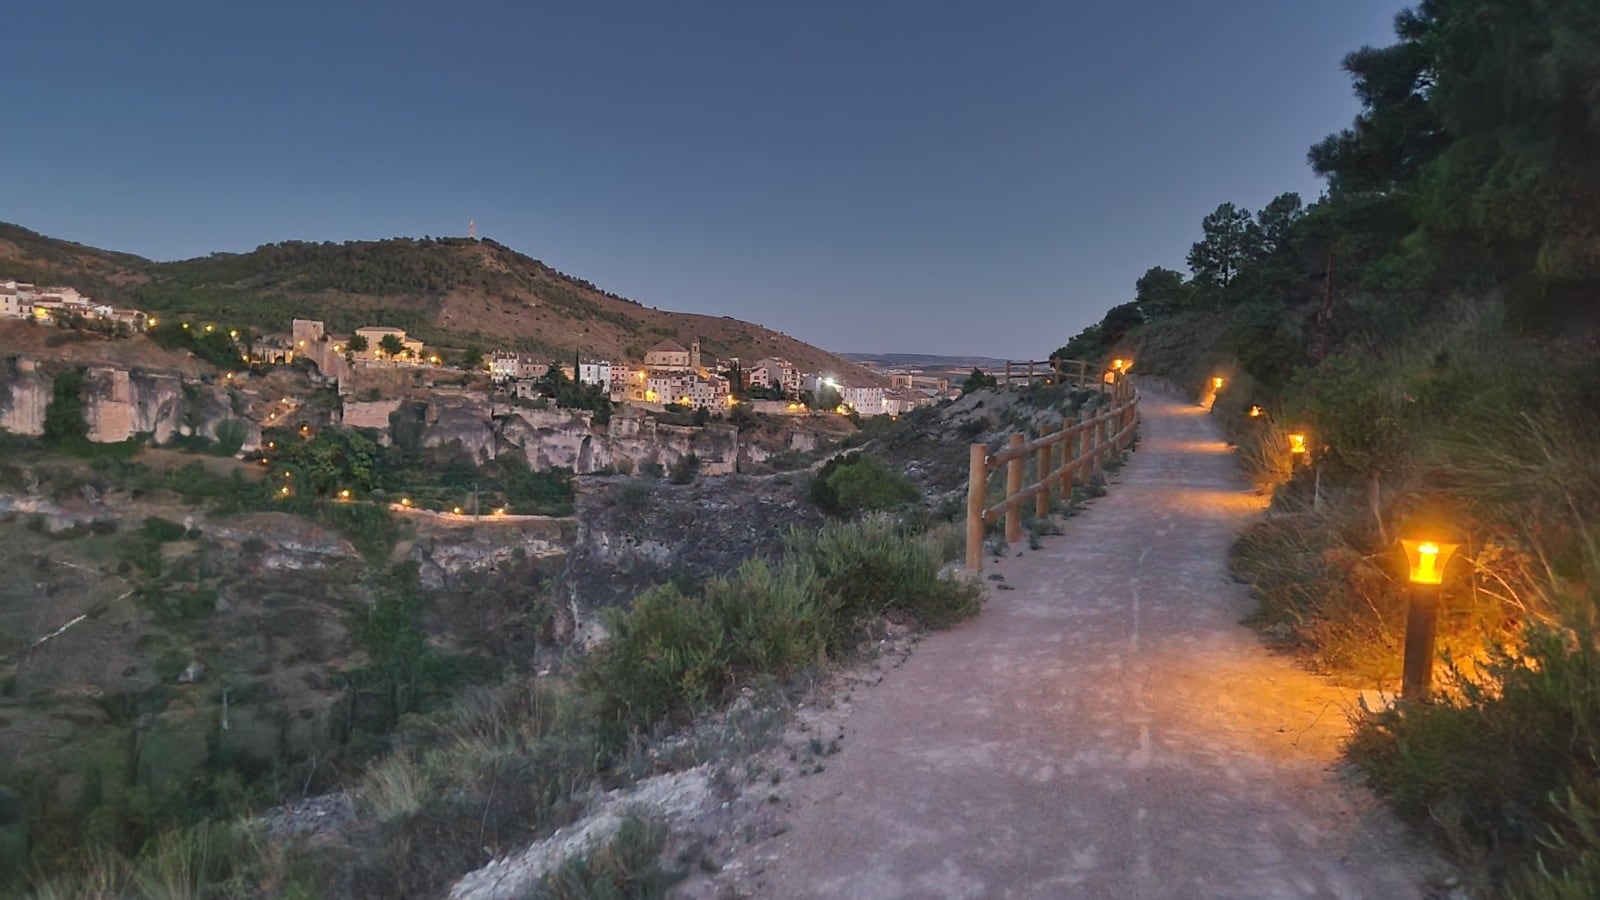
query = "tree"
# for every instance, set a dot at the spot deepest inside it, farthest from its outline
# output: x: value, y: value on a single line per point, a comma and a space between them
x: 1160, y: 291
x: 1231, y: 241
x: 358, y: 344
x: 977, y: 381
x: 392, y: 345
x: 472, y: 358
x: 63, y: 415
x: 1276, y: 223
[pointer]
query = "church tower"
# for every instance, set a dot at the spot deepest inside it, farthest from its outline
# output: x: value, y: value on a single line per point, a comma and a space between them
x: 694, y: 355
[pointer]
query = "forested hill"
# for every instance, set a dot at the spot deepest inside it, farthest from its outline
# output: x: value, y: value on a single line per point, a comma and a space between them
x: 451, y: 292
x: 1430, y: 331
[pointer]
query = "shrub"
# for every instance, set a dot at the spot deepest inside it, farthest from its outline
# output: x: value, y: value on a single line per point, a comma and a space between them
x: 855, y: 483
x: 627, y: 866
x: 685, y: 469
x: 867, y: 568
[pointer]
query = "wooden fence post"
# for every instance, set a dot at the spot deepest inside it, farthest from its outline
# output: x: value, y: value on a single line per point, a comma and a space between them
x: 1069, y: 458
x: 977, y: 482
x: 1041, y: 465
x: 1014, y: 487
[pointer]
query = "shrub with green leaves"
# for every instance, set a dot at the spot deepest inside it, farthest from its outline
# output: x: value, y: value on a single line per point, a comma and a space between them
x: 855, y: 483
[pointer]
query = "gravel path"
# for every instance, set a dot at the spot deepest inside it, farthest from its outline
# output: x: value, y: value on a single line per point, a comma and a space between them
x: 1106, y: 729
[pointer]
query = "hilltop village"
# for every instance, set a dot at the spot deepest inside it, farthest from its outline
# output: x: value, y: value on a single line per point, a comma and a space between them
x: 669, y: 374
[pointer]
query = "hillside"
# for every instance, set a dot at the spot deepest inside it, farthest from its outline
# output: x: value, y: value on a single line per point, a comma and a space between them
x: 451, y: 292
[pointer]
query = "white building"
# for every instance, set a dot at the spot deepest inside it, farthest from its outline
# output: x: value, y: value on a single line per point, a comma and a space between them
x: 16, y: 300
x: 596, y: 372
x: 867, y: 401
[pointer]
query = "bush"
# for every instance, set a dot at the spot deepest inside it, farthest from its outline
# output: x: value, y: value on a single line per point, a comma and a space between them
x: 685, y: 469
x: 867, y: 568
x: 627, y: 866
x: 855, y: 483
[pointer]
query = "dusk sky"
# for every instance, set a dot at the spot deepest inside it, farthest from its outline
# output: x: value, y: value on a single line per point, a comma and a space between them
x: 937, y: 177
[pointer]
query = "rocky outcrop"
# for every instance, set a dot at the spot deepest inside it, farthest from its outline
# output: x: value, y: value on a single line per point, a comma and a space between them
x: 24, y: 394
x: 119, y: 404
x: 635, y: 533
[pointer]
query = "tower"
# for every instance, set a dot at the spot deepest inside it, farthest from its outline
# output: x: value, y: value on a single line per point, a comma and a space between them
x: 694, y: 354
x: 472, y: 228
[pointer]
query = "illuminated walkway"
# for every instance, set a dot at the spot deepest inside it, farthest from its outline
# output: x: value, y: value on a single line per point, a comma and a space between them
x: 1104, y: 730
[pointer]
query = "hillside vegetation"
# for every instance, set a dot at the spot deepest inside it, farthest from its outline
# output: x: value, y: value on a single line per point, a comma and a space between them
x: 450, y: 292
x: 1430, y: 324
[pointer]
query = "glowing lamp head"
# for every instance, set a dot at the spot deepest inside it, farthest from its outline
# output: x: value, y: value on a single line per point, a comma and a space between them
x: 344, y: 494
x: 150, y: 322
x: 210, y: 328
x: 405, y: 501
x: 233, y: 332
x: 456, y: 510
x: 1117, y: 364
x: 1216, y: 383
x: 1427, y: 559
x: 1255, y: 412
x: 284, y: 491
x: 1297, y: 443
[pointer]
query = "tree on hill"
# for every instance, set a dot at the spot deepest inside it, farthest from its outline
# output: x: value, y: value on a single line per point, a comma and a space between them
x: 392, y: 345
x: 472, y: 358
x: 1161, y: 291
x: 358, y: 344
x: 1231, y: 241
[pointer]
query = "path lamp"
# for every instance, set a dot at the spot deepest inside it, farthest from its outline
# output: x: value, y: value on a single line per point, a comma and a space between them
x: 1426, y: 561
x: 1216, y: 382
x: 1297, y: 447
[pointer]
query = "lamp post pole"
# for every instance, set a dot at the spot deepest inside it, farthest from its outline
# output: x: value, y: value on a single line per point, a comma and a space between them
x: 1422, y: 623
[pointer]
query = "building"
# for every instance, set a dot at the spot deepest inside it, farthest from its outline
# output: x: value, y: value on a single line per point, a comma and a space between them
x: 687, y: 388
x: 867, y: 401
x: 596, y: 372
x: 374, y: 335
x: 16, y: 300
x: 504, y: 366
x: 898, y: 402
x: 667, y: 356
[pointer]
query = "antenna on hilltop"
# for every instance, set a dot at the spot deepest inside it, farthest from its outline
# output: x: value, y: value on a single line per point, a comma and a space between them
x: 472, y: 228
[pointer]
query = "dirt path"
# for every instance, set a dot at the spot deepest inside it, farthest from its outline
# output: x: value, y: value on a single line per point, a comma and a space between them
x: 1105, y: 729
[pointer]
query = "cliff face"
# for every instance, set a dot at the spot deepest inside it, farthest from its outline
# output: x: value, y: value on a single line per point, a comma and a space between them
x: 24, y: 394
x: 119, y: 404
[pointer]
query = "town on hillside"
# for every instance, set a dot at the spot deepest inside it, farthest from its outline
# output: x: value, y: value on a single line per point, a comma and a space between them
x: 669, y: 375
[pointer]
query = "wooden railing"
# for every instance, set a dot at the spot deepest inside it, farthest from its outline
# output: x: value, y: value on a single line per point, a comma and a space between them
x: 1052, y: 371
x: 1086, y: 443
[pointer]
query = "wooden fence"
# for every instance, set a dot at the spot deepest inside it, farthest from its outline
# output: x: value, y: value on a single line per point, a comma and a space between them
x: 1085, y: 444
x: 1053, y: 371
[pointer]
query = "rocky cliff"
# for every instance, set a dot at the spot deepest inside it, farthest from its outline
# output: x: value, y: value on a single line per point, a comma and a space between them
x: 120, y: 403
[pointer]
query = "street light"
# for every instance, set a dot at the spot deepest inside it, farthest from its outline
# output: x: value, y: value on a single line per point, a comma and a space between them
x: 1216, y: 382
x: 1426, y: 559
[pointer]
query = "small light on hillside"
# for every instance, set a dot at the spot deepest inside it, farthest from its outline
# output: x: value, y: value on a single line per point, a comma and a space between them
x: 344, y: 494
x: 210, y: 328
x: 1297, y: 443
x: 1255, y: 412
x: 233, y: 333
x: 1216, y: 382
x: 186, y: 326
x: 151, y: 322
x: 284, y: 491
x: 405, y: 501
x: 456, y: 510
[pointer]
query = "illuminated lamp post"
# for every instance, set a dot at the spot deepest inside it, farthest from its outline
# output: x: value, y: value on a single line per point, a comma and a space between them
x: 1298, y: 453
x: 1426, y: 561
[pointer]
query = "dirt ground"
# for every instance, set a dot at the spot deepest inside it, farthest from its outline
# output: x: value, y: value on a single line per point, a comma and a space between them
x: 1106, y: 728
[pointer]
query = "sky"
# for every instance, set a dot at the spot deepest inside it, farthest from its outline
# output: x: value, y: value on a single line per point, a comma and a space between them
x: 916, y: 176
